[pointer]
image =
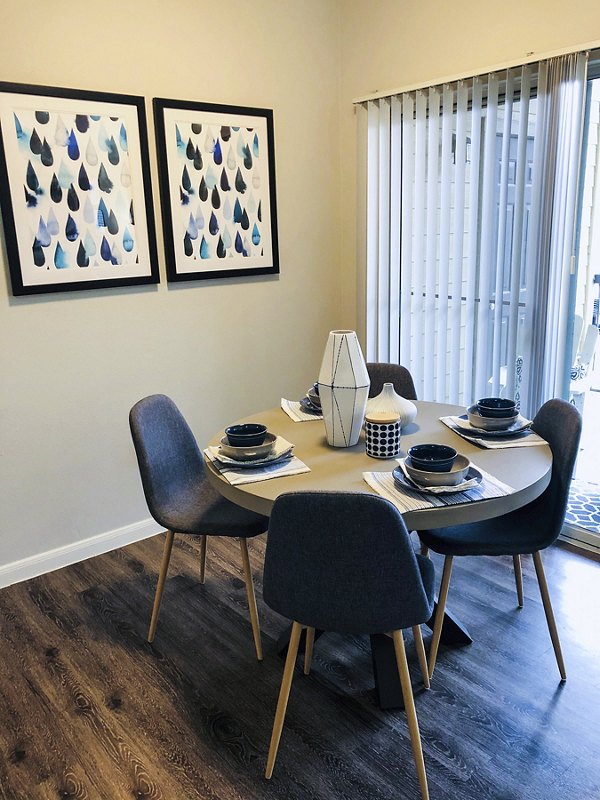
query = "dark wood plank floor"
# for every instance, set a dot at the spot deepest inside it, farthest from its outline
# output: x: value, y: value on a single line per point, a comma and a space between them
x: 88, y: 709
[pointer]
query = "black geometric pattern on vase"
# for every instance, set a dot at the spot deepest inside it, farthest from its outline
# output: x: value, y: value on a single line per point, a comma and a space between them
x: 343, y: 388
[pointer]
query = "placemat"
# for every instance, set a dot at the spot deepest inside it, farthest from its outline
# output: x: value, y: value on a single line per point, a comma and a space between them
x: 295, y: 411
x: 236, y: 476
x: 527, y: 439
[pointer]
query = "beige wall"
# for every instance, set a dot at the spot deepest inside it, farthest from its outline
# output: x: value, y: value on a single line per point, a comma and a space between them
x: 391, y: 44
x: 72, y: 364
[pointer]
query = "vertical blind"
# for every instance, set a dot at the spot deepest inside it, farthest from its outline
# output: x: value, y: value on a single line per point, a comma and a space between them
x: 470, y: 207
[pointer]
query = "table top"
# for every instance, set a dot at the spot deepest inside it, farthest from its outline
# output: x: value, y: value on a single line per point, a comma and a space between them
x: 526, y: 469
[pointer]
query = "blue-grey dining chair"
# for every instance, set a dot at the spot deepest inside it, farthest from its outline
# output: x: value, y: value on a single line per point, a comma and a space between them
x: 381, y: 372
x: 181, y: 499
x: 527, y: 530
x: 343, y: 561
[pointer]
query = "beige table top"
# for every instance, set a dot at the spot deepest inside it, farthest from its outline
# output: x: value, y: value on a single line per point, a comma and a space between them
x: 526, y: 469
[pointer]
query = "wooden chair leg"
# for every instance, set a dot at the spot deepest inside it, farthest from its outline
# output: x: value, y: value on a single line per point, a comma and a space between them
x: 284, y: 693
x: 541, y: 576
x: 164, y: 566
x: 308, y: 649
x: 251, y: 599
x: 203, y: 542
x: 420, y: 647
x: 439, y: 613
x: 411, y: 714
x: 518, y: 579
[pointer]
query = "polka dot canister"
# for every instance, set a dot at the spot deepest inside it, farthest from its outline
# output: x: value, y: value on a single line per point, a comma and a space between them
x: 382, y: 434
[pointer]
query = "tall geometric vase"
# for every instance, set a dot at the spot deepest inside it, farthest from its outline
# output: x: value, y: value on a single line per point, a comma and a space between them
x: 343, y: 388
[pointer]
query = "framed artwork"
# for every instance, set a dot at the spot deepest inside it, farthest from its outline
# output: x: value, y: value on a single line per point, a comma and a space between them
x: 75, y: 189
x: 217, y: 186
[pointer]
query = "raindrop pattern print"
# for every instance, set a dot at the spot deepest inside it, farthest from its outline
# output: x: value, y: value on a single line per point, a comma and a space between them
x: 75, y: 170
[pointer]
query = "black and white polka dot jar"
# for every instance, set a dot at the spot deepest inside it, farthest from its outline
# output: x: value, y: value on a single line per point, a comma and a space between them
x: 382, y: 434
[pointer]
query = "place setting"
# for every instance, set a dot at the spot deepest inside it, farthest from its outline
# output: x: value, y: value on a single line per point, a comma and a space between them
x: 494, y: 423
x: 435, y: 475
x: 249, y: 452
x: 307, y: 408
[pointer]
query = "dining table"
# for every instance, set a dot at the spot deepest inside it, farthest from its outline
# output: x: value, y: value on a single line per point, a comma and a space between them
x: 521, y: 474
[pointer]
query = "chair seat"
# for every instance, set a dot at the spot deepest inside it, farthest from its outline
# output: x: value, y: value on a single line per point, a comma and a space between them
x: 519, y: 532
x: 200, y: 510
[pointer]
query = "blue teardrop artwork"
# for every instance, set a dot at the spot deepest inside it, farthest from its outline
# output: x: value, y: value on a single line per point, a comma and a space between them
x: 43, y: 117
x: 52, y: 223
x: 71, y: 231
x: 196, y: 127
x: 204, y: 249
x: 199, y: 219
x: 247, y: 157
x: 39, y: 259
x: 225, y: 133
x: 221, y: 252
x: 113, y: 225
x: 237, y: 211
x: 30, y: 199
x: 183, y: 197
x: 227, y: 240
x: 128, y: 243
x: 83, y: 180
x: 55, y: 190
x: 73, y: 199
x: 65, y: 177
x: 105, y: 249
x: 185, y: 181
x: 90, y: 245
x: 190, y: 150
x: 203, y: 191
x: 217, y: 154
x: 60, y: 258
x: 210, y: 178
x: 123, y: 139
x: 46, y: 156
x: 225, y: 181
x: 178, y: 140
x: 239, y: 245
x: 102, y: 214
x: 255, y: 148
x: 215, y: 199
x: 260, y: 212
x: 192, y: 228
x: 227, y: 213
x: 21, y: 135
x: 43, y: 235
x: 245, y: 222
x: 35, y: 143
x: 104, y: 182
x: 113, y: 152
x: 73, y: 146
x: 82, y: 122
x: 240, y: 183
x: 198, y: 163
x: 32, y: 179
x: 82, y: 256
x: 188, y: 247
x: 255, y: 235
x: 213, y: 224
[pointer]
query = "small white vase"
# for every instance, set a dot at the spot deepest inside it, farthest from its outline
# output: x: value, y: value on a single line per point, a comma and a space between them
x: 343, y: 388
x: 389, y: 401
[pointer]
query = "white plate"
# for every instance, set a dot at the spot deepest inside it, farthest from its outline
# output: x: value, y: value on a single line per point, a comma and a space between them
x: 274, y: 458
x: 405, y: 483
x: 520, y: 425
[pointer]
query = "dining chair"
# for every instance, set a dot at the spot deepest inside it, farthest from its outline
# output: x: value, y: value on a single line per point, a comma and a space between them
x: 381, y: 372
x: 343, y: 561
x: 181, y: 499
x: 527, y: 530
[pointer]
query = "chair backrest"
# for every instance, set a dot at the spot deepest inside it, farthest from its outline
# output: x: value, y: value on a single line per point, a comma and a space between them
x: 168, y: 455
x: 380, y: 373
x: 559, y: 423
x: 343, y: 561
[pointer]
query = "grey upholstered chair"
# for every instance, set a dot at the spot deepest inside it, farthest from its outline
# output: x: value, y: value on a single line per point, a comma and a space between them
x: 380, y: 373
x: 181, y: 499
x: 342, y: 561
x: 528, y: 530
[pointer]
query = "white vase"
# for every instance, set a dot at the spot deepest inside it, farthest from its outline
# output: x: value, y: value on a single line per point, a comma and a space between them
x: 389, y: 401
x: 343, y: 388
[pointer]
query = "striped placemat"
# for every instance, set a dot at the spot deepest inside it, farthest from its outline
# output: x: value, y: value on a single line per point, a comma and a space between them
x: 295, y: 411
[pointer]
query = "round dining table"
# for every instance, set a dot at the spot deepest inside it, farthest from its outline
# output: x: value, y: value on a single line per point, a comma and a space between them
x: 527, y: 470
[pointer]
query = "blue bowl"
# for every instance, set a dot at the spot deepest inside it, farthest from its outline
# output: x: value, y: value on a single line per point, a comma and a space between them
x: 248, y: 434
x: 497, y: 407
x: 432, y: 457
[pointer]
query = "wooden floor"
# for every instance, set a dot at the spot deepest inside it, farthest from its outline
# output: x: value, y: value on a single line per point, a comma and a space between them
x: 88, y: 709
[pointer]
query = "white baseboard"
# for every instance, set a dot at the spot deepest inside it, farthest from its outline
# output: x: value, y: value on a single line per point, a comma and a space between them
x: 78, y: 551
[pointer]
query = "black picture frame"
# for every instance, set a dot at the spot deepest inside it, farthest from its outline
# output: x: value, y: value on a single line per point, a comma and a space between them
x: 216, y: 167
x: 75, y: 190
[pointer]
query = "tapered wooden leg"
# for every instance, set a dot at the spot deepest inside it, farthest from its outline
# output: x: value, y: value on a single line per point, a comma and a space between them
x: 439, y: 613
x: 308, y: 649
x: 284, y: 693
x: 420, y: 647
x: 411, y: 714
x: 541, y: 576
x: 164, y: 566
x: 518, y: 579
x: 251, y: 599
x: 202, y: 557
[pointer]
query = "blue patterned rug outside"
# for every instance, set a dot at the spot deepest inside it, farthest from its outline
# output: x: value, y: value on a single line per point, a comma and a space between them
x: 584, y: 505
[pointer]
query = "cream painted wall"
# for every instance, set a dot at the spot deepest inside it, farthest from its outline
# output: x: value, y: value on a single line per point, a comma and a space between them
x: 390, y: 44
x: 72, y: 364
